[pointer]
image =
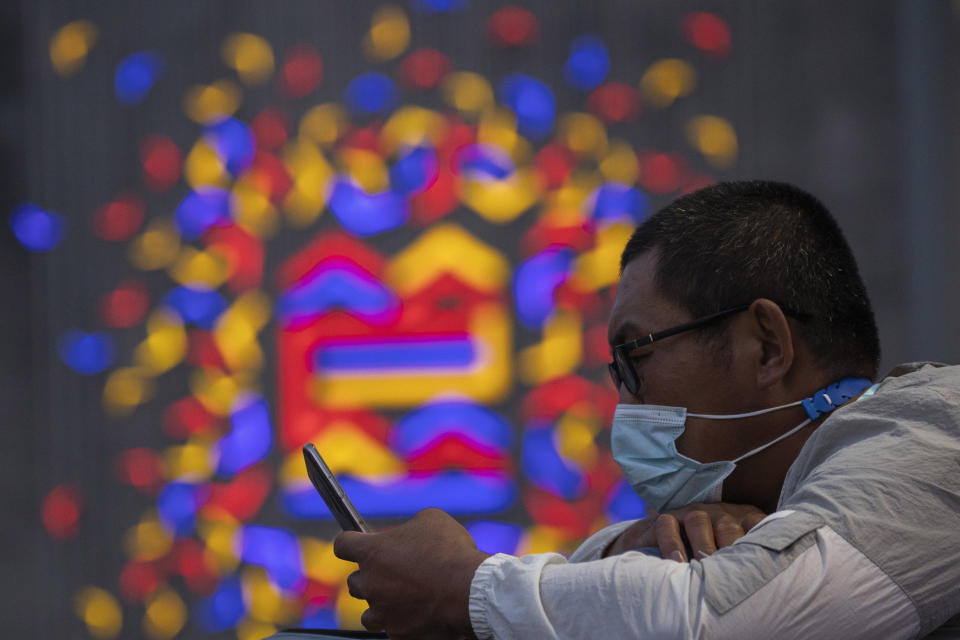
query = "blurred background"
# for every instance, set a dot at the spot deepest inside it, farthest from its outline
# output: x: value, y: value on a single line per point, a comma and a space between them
x: 391, y: 230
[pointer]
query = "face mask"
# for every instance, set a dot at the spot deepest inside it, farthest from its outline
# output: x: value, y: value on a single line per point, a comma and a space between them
x: 643, y: 443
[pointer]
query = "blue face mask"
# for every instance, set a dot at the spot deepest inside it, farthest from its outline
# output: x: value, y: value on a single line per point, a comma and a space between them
x: 643, y: 441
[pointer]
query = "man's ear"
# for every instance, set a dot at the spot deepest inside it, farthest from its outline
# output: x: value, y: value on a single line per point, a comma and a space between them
x: 772, y: 331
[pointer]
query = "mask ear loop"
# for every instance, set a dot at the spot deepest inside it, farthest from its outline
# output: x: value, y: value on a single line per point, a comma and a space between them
x: 731, y: 416
x: 774, y: 441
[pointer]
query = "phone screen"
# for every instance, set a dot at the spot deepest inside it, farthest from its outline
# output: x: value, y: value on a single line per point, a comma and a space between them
x: 332, y: 493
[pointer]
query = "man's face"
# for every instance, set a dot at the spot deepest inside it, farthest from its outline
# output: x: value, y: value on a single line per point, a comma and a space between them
x: 683, y: 370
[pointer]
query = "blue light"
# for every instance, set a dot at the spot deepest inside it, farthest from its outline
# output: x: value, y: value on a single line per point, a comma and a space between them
x: 623, y: 503
x: 534, y: 284
x: 135, y: 75
x: 364, y: 214
x: 36, y: 229
x: 248, y: 441
x: 588, y: 63
x: 224, y: 609
x: 532, y: 102
x: 414, y: 171
x: 86, y: 353
x: 438, y: 6
x: 495, y: 537
x: 371, y: 93
x: 277, y: 551
x: 429, y: 353
x: 195, y: 305
x: 455, y: 492
x: 200, y: 210
x: 613, y: 201
x: 477, y: 423
x: 234, y: 143
x: 546, y: 468
x: 317, y: 617
x: 483, y: 161
x: 177, y: 507
x: 329, y: 289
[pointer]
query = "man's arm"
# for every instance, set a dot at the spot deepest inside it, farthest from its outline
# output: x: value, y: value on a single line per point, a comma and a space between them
x: 794, y: 580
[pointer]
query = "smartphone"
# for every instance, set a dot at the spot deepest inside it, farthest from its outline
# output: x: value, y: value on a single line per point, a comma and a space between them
x: 331, y: 491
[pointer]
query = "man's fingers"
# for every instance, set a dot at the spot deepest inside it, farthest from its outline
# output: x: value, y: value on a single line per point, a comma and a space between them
x: 349, y: 545
x: 355, y: 587
x: 370, y: 621
x: 699, y: 530
x: 752, y: 519
x: 668, y: 538
x: 727, y: 530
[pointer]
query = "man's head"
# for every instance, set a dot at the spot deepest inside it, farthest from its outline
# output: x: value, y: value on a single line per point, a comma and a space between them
x: 773, y: 249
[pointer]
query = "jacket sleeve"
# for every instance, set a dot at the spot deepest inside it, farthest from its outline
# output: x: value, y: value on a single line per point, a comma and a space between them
x: 790, y: 577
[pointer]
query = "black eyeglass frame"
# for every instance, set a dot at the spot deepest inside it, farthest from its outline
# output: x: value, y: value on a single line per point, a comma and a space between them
x: 621, y: 353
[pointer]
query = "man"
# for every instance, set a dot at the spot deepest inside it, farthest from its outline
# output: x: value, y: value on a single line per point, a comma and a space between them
x: 743, y: 345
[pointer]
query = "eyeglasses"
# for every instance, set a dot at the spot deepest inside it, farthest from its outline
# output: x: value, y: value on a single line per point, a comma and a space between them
x: 621, y: 369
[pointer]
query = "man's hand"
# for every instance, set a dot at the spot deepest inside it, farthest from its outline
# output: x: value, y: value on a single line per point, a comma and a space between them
x: 415, y: 577
x: 706, y: 527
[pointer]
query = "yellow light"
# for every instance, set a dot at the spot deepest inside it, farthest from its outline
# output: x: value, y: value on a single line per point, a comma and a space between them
x: 253, y: 210
x: 467, y: 92
x: 557, y: 354
x: 575, y: 439
x: 367, y: 168
x: 715, y: 138
x: 541, y: 539
x: 448, y: 248
x: 189, y: 462
x: 599, y: 267
x: 266, y: 603
x: 209, y: 103
x: 100, y: 611
x: 349, y: 610
x: 199, y: 268
x: 412, y: 126
x: 220, y: 537
x: 584, y: 134
x: 389, y: 34
x: 620, y: 164
x: 324, y: 124
x: 320, y: 563
x: 254, y: 630
x: 250, y: 55
x: 165, y: 345
x: 165, y: 615
x: 157, y: 247
x: 125, y: 389
x: 147, y: 540
x: 203, y: 167
x: 502, y: 201
x: 70, y: 45
x: 214, y: 390
x: 312, y: 176
x: 666, y: 80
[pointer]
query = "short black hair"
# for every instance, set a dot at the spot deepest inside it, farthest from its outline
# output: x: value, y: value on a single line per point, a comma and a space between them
x: 733, y: 242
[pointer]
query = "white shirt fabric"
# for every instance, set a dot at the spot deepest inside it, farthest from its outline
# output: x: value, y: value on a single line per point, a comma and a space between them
x: 865, y: 546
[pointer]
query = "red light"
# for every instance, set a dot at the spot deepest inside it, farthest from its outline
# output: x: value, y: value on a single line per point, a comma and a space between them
x: 126, y: 305
x: 554, y: 162
x: 302, y: 71
x: 707, y: 32
x: 512, y: 27
x: 660, y: 172
x: 141, y: 468
x: 120, y: 219
x: 615, y: 102
x: 185, y: 417
x: 162, y: 162
x: 270, y: 129
x: 61, y: 512
x: 137, y: 581
x: 424, y: 68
